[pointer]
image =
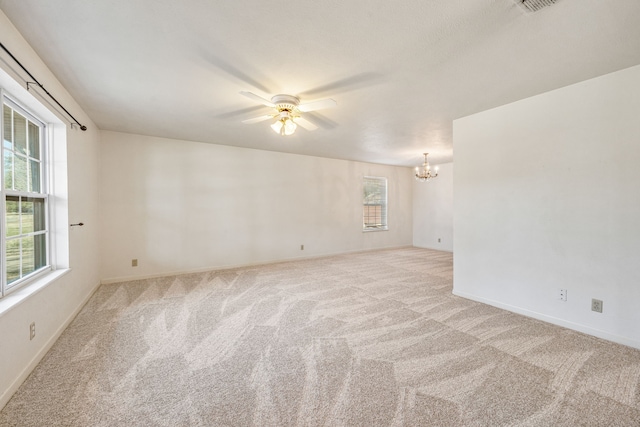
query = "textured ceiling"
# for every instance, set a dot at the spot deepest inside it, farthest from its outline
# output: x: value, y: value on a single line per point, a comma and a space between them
x: 401, y: 72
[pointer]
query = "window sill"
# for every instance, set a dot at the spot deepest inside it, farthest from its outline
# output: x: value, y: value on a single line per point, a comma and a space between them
x: 16, y: 297
x: 367, y: 230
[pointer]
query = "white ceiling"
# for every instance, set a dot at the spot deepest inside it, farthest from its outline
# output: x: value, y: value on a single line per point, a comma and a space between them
x: 401, y: 71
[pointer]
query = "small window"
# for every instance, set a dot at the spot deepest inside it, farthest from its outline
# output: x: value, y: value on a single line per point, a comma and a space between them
x: 374, y: 203
x: 25, y: 229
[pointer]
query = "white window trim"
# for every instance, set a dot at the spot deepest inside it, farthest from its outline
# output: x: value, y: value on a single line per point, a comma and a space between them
x: 22, y: 293
x: 45, y: 141
x: 384, y: 227
x: 59, y: 231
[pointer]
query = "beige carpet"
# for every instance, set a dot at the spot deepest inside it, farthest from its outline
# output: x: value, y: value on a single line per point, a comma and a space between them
x: 367, y: 339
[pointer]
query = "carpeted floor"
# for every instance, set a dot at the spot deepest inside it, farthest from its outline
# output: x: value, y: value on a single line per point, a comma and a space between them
x: 367, y: 339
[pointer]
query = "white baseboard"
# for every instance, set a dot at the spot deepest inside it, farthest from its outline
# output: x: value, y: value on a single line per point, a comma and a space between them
x: 553, y: 320
x: 8, y: 393
x: 435, y: 248
x: 111, y: 280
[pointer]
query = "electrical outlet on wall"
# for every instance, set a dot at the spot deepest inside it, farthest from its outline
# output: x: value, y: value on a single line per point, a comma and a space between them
x: 596, y: 305
x: 134, y: 262
x: 562, y: 294
x: 32, y: 331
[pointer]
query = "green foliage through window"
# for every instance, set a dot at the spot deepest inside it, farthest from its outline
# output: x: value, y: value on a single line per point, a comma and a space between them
x: 25, y: 219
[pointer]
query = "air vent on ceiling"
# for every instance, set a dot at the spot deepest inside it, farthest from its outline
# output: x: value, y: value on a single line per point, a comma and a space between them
x: 534, y: 5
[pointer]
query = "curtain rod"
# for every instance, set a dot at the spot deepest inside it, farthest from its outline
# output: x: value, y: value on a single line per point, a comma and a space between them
x: 82, y: 127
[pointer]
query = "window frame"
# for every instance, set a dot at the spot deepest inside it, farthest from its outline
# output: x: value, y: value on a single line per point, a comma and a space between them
x: 6, y: 287
x: 384, y: 214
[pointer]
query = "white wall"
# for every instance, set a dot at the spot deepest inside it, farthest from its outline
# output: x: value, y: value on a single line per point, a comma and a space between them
x: 547, y: 197
x: 55, y: 305
x: 433, y: 211
x: 180, y: 206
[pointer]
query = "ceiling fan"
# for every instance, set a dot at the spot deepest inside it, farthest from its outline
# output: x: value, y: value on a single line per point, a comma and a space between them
x: 288, y: 112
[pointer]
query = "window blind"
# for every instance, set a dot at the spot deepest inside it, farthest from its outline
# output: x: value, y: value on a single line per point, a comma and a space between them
x: 374, y: 203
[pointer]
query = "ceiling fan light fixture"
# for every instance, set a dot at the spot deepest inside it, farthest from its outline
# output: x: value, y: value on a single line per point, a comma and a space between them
x: 285, y: 124
x: 289, y: 126
x: 277, y: 126
x: 289, y: 110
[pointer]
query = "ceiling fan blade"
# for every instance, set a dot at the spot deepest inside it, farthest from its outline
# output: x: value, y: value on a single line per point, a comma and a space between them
x: 242, y: 113
x: 260, y: 99
x: 320, y: 120
x: 344, y: 85
x: 258, y: 119
x: 305, y: 123
x: 251, y: 78
x: 317, y: 105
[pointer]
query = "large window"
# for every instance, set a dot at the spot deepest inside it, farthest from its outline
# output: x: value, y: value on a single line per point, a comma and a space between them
x: 24, y: 222
x: 374, y: 203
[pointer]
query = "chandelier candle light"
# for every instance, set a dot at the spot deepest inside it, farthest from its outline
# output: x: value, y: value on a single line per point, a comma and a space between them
x: 425, y: 174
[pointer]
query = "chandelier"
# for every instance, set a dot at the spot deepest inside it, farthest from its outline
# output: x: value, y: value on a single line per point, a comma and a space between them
x: 424, y: 173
